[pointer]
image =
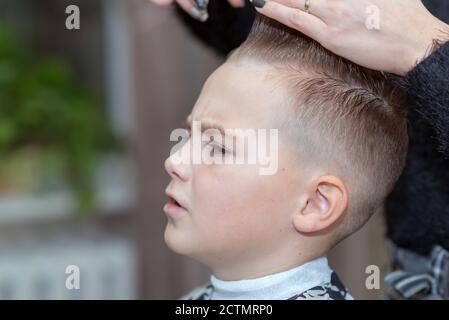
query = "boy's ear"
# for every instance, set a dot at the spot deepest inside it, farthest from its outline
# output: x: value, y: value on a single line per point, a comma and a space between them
x: 325, y: 202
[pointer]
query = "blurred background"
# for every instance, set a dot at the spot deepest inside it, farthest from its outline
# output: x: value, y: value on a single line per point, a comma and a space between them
x: 85, y: 118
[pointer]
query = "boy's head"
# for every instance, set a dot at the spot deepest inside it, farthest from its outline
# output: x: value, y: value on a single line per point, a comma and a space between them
x: 342, y: 141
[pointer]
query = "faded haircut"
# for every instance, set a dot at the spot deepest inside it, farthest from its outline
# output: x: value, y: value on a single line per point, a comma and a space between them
x: 346, y: 118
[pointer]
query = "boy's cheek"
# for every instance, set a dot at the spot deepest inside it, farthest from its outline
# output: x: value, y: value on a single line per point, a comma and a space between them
x: 231, y: 197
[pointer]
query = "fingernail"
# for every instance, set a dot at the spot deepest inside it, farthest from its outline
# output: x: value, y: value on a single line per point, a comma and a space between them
x: 258, y: 3
x: 202, y: 4
x: 195, y: 12
x: 201, y: 15
x: 204, y: 17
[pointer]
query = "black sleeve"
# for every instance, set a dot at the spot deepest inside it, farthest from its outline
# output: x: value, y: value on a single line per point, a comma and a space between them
x: 427, y: 87
x: 226, y: 28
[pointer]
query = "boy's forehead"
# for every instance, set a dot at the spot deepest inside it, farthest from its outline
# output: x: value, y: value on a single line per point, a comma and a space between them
x: 238, y: 95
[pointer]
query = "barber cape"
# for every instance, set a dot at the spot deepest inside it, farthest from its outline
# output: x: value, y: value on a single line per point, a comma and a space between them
x: 313, y: 280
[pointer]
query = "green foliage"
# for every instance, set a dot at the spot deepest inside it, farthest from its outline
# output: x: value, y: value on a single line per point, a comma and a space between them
x: 42, y: 105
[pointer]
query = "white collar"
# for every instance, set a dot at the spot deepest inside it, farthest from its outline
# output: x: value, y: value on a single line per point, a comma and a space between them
x: 280, y: 286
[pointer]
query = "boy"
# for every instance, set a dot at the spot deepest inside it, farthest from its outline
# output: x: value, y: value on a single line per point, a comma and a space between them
x: 341, y: 146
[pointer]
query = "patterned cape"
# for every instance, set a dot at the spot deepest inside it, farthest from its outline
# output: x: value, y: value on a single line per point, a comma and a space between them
x: 333, y: 290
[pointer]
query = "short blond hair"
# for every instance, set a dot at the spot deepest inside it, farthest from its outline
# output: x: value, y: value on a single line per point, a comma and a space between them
x: 346, y: 117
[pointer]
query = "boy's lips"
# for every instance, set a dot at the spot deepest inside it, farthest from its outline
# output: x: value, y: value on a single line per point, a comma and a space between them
x: 173, y: 207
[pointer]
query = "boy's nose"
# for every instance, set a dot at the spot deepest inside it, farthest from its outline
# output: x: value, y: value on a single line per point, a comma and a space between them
x: 177, y: 165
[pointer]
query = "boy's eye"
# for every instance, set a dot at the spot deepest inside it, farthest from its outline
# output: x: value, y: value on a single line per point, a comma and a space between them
x: 217, y: 148
x: 222, y: 149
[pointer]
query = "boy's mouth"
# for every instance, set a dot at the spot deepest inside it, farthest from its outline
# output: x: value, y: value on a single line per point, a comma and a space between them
x: 172, y: 198
x: 173, y: 208
x: 173, y: 201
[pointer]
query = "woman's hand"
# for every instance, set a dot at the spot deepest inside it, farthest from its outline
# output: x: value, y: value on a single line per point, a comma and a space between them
x: 189, y: 6
x: 386, y: 35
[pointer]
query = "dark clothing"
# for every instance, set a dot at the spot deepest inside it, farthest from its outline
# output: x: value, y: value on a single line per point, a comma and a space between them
x: 417, y: 212
x: 418, y: 209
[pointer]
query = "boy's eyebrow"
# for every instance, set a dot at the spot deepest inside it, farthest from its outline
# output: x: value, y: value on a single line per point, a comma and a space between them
x: 206, y: 125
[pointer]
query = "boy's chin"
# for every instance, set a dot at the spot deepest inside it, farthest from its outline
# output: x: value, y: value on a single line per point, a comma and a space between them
x: 176, y: 242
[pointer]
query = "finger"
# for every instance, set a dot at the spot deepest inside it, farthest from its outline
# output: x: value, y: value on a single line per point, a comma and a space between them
x: 161, y: 2
x: 189, y: 7
x: 304, y: 22
x: 315, y: 6
x: 237, y: 3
